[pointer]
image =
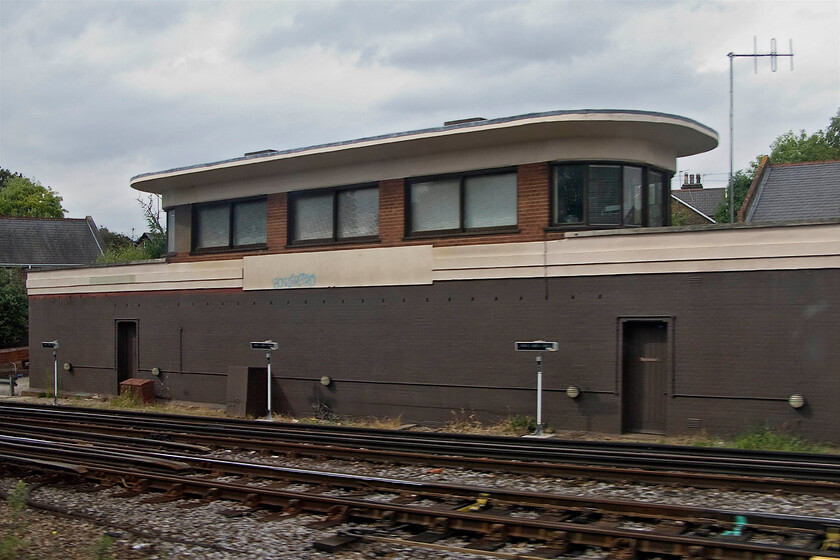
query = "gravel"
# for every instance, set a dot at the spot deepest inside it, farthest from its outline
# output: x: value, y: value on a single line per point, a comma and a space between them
x: 220, y: 530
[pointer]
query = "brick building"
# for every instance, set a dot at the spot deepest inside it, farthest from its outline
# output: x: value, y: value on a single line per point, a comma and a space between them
x: 396, y: 273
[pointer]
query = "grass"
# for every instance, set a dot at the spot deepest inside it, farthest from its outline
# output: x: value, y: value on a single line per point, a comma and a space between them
x: 764, y: 438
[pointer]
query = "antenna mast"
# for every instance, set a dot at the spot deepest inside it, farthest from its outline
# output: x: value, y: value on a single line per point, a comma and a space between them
x: 755, y: 56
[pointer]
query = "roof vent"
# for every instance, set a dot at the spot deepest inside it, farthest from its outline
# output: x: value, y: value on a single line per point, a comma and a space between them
x: 261, y: 153
x: 464, y: 121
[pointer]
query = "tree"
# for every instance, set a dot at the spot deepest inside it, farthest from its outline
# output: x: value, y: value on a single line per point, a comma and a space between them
x: 5, y: 175
x: 822, y: 145
x: 115, y: 241
x: 741, y: 182
x: 120, y: 248
x: 156, y: 244
x: 25, y: 197
x: 14, y: 308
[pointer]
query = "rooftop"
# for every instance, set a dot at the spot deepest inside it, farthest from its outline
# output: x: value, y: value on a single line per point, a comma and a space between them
x: 48, y: 241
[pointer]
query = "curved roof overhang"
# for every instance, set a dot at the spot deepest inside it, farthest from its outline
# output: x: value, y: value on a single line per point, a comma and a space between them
x: 678, y: 135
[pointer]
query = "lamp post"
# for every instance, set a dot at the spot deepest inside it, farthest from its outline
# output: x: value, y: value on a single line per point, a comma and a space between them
x: 54, y: 345
x: 268, y: 346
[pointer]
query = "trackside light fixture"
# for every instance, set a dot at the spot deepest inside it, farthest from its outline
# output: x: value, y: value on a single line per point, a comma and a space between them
x: 538, y: 346
x: 268, y: 346
x: 796, y: 401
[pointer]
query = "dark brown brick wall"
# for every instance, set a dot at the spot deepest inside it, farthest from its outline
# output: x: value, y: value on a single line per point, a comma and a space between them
x: 742, y: 343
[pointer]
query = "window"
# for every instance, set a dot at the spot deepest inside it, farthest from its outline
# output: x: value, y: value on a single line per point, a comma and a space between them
x: 606, y: 195
x: 335, y: 215
x: 170, y: 230
x: 229, y: 224
x: 462, y: 204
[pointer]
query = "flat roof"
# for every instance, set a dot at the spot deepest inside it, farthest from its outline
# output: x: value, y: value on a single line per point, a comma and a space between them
x: 685, y: 136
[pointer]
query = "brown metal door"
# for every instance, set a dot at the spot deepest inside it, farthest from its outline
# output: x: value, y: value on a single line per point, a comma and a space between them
x: 645, y: 376
x: 126, y: 350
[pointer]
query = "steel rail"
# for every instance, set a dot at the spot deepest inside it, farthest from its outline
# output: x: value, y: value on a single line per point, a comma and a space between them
x: 237, y: 433
x: 481, y: 463
x: 339, y: 509
x: 96, y: 455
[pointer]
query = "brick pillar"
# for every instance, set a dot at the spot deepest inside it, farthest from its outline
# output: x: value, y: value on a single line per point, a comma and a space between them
x: 391, y: 211
x: 276, y: 227
x: 534, y: 188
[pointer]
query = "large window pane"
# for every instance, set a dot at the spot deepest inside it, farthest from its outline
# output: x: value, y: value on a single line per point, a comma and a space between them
x: 632, y: 196
x: 313, y: 217
x: 212, y: 226
x: 605, y: 194
x: 358, y: 213
x: 249, y: 222
x: 435, y: 205
x: 568, y: 194
x: 655, y: 199
x: 490, y: 200
x: 170, y: 231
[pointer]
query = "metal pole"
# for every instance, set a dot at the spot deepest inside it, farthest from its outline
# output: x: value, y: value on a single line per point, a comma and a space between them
x: 731, y: 141
x: 539, y: 430
x: 268, y: 358
x: 12, y: 377
x: 55, y: 377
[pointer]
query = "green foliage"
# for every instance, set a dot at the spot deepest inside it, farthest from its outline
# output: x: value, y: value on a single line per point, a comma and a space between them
x: 14, y: 308
x: 741, y: 181
x: 12, y: 545
x: 764, y: 438
x: 520, y: 424
x: 129, y: 253
x: 128, y: 399
x: 5, y: 175
x: 101, y: 550
x: 156, y: 244
x: 24, y: 197
x: 114, y: 240
x: 822, y: 145
x: 120, y: 248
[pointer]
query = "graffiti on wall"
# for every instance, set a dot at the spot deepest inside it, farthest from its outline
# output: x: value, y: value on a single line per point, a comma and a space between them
x: 301, y: 280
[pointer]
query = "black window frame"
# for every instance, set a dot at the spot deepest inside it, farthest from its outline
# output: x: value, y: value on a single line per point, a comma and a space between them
x: 231, y: 203
x: 461, y: 177
x: 334, y: 239
x: 586, y: 223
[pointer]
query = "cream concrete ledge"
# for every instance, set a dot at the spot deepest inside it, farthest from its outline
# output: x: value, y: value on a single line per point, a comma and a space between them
x: 382, y: 266
x: 155, y: 276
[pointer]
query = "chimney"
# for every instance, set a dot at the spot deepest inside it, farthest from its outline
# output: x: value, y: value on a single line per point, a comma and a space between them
x: 691, y: 181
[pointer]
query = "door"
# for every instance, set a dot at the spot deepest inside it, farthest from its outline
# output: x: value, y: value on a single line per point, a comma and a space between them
x: 126, y: 350
x: 644, y: 376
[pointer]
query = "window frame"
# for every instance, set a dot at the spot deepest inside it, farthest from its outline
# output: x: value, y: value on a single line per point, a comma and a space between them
x: 586, y: 223
x: 229, y: 203
x: 461, y: 177
x: 334, y: 193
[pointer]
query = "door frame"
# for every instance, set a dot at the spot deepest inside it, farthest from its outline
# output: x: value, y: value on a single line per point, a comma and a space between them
x: 136, y: 323
x: 670, y: 383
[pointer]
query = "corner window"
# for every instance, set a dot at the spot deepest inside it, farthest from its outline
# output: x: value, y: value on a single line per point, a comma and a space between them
x: 462, y: 204
x: 170, y: 230
x: 606, y: 195
x: 229, y: 224
x: 334, y: 215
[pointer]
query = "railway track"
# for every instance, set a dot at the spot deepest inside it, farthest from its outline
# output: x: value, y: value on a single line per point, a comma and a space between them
x: 428, y: 513
x: 702, y: 467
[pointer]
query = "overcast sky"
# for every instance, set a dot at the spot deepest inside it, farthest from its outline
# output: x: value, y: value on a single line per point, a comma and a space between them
x: 93, y: 93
